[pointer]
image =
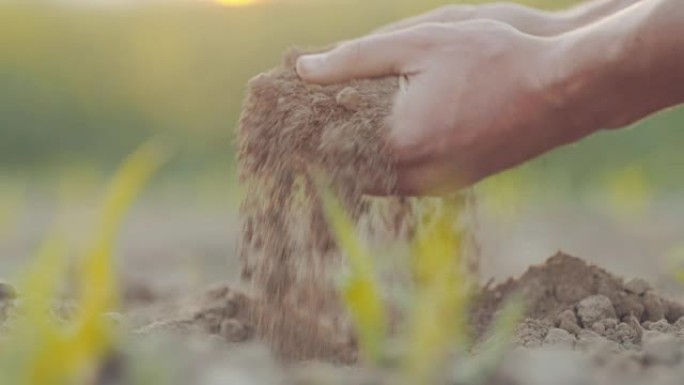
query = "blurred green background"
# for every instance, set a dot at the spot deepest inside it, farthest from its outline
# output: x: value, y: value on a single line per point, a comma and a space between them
x: 81, y: 86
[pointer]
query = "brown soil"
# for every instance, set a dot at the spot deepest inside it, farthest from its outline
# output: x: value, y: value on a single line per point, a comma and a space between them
x: 568, y: 294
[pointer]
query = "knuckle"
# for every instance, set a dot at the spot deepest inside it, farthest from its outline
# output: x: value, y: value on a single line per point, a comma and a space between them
x: 456, y: 12
x: 346, y: 53
x: 427, y: 35
x: 492, y: 25
x: 508, y: 8
x: 491, y: 32
x: 513, y: 11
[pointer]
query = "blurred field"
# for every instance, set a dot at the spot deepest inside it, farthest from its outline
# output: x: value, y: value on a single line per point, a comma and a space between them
x: 82, y: 86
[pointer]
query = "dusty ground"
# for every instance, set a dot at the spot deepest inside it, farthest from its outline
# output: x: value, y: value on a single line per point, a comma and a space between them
x: 170, y: 255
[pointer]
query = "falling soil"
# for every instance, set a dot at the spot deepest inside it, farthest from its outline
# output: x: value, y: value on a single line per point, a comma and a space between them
x: 292, y: 136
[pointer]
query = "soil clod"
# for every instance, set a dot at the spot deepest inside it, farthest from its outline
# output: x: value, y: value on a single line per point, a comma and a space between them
x: 7, y: 292
x: 594, y: 309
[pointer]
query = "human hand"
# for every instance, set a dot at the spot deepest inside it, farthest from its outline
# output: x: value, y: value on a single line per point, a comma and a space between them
x: 482, y: 96
x: 529, y: 20
x: 525, y: 19
x: 479, y: 99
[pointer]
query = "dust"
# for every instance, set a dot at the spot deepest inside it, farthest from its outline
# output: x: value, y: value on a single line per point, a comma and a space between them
x: 290, y: 135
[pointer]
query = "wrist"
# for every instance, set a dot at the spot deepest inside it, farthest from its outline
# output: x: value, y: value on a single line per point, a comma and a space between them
x: 619, y: 70
x: 589, y: 12
x: 592, y: 76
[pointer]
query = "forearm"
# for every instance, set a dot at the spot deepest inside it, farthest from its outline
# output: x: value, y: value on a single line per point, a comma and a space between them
x: 621, y: 69
x: 591, y: 11
x: 544, y: 23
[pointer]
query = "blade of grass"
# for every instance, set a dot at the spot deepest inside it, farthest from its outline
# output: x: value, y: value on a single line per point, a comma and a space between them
x: 360, y: 291
x: 439, y: 315
x: 73, y: 352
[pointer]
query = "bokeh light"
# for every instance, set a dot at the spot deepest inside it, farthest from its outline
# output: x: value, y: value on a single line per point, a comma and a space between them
x: 236, y: 3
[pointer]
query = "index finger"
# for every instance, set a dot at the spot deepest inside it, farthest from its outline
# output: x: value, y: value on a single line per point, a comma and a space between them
x: 367, y: 57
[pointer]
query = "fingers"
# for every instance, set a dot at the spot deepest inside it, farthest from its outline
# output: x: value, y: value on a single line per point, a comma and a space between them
x: 367, y: 57
x: 446, y: 14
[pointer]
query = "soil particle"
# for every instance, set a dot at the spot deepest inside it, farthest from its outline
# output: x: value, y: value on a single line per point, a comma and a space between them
x: 630, y: 305
x: 567, y: 320
x: 622, y: 333
x: 638, y: 286
x: 350, y: 99
x: 531, y: 333
x: 594, y: 309
x: 7, y: 292
x: 653, y: 307
x: 673, y: 310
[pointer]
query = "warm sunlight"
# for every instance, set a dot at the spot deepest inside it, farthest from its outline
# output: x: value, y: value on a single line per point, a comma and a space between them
x: 236, y: 3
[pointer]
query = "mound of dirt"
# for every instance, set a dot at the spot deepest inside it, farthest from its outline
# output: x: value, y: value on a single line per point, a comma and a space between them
x: 231, y: 316
x: 571, y: 302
